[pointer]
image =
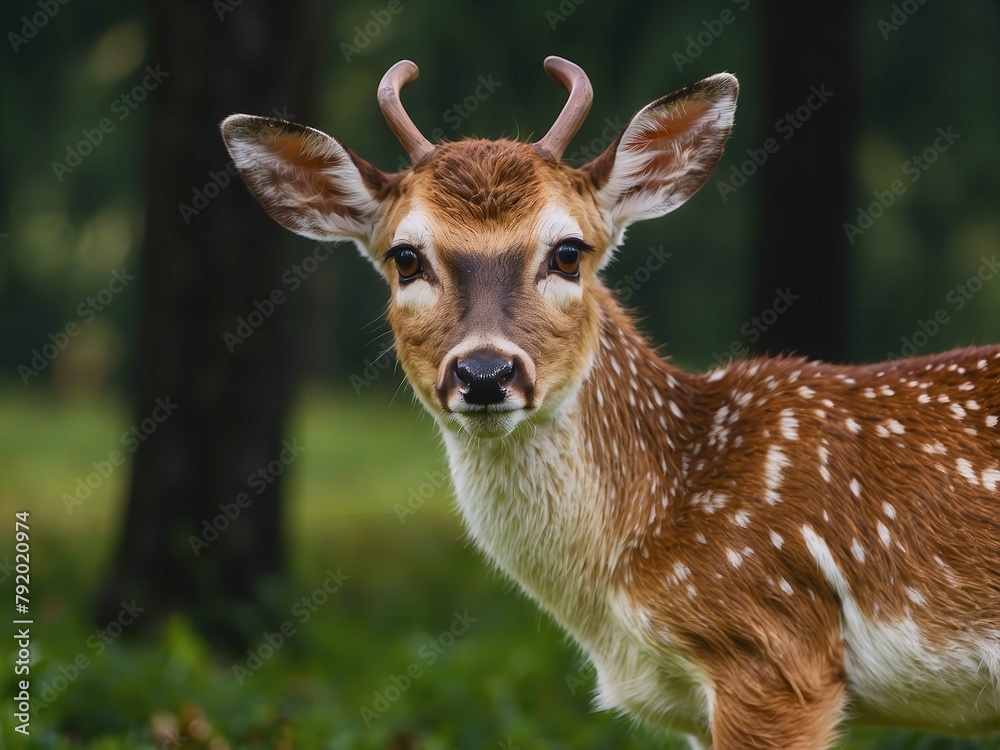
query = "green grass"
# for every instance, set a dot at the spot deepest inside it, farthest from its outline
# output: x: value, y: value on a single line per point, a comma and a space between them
x: 505, y: 682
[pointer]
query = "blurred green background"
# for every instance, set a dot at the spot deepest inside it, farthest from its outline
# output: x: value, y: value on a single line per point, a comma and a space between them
x: 510, y: 681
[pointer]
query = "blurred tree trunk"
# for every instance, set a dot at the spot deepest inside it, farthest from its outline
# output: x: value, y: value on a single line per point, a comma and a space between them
x: 209, y: 253
x: 810, y: 58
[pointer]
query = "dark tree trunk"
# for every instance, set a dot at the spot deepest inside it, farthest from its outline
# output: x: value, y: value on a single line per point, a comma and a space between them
x: 209, y: 253
x: 805, y: 187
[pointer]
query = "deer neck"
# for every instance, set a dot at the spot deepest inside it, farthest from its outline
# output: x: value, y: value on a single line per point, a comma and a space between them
x: 565, y: 505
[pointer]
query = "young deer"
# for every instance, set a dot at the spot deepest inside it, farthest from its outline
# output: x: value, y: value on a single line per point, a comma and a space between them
x: 753, y: 556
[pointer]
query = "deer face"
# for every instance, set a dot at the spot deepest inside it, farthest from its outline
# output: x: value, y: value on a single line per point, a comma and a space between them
x: 491, y: 249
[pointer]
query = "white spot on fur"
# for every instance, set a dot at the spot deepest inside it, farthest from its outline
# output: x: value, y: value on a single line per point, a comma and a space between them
x: 990, y: 479
x: 856, y: 487
x: 776, y: 539
x: 741, y: 519
x: 774, y: 467
x: 681, y: 571
x: 789, y: 425
x: 710, y: 501
x: 966, y: 470
x: 852, y: 425
x: 884, y: 535
x: 857, y: 550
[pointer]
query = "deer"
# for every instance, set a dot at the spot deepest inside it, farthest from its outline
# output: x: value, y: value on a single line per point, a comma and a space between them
x: 756, y: 556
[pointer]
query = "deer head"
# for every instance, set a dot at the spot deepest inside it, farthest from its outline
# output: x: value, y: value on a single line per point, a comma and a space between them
x: 491, y: 249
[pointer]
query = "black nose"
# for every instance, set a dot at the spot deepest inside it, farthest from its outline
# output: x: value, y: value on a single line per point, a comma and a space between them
x: 483, y: 375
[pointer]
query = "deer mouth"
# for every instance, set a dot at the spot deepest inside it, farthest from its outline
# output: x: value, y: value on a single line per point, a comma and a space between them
x: 473, y: 410
x: 489, y: 420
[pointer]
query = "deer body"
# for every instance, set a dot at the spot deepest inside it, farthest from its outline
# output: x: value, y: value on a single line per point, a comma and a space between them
x: 752, y: 556
x: 805, y: 547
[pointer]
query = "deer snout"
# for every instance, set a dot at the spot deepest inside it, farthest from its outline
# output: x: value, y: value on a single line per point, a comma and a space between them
x: 485, y: 376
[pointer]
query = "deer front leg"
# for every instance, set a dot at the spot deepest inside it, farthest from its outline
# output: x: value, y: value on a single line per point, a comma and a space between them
x: 797, y: 711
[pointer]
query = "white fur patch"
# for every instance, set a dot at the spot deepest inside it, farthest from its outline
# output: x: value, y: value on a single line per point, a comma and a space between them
x: 648, y: 677
x: 774, y: 466
x: 555, y: 224
x: 415, y: 229
x: 416, y: 295
x: 891, y: 671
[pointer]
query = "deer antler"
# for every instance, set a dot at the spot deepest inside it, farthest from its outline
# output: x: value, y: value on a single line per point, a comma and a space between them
x: 399, y: 75
x: 572, y: 78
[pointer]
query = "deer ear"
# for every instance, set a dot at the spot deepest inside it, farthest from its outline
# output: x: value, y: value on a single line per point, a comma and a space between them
x: 665, y: 153
x: 306, y: 180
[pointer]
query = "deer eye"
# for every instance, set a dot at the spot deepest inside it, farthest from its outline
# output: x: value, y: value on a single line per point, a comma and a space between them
x: 407, y: 262
x: 566, y: 259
